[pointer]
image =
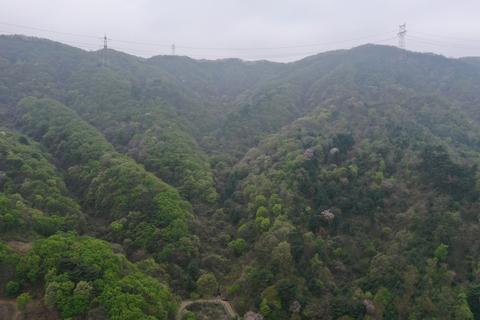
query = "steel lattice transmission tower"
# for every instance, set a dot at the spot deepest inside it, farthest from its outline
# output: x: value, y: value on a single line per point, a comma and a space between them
x: 173, y: 49
x: 104, y: 51
x: 402, y: 32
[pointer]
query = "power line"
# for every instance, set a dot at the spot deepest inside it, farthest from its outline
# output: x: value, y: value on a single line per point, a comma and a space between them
x: 249, y: 53
x: 255, y: 56
x: 287, y: 47
x: 401, y: 35
x: 445, y: 37
x: 204, y: 48
x: 444, y: 43
x: 49, y: 30
x: 97, y: 46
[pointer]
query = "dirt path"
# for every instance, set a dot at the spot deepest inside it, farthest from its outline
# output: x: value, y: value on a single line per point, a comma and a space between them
x: 8, y: 310
x: 226, y: 305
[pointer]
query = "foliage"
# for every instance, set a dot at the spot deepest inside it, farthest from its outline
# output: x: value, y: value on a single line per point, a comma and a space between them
x: 33, y: 194
x: 12, y: 288
x: 22, y: 301
x: 112, y: 185
x: 340, y: 186
x: 79, y: 271
x: 207, y: 285
x: 238, y: 246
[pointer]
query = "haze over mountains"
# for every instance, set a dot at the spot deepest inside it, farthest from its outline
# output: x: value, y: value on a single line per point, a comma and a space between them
x: 340, y: 186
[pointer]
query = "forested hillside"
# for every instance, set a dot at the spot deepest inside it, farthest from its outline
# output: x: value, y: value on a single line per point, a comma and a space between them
x: 341, y: 186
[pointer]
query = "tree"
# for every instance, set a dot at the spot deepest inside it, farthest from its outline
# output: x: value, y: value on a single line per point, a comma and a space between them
x: 282, y: 258
x: 441, y: 252
x: 238, y: 246
x: 22, y: 301
x: 12, y: 288
x: 207, y: 285
x: 189, y: 315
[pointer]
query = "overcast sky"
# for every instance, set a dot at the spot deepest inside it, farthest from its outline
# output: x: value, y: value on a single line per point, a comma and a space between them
x: 279, y: 30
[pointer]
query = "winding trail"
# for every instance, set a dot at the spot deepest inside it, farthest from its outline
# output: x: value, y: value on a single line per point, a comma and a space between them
x: 226, y: 305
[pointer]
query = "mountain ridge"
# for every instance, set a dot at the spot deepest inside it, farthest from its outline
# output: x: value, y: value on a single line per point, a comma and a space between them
x: 344, y: 185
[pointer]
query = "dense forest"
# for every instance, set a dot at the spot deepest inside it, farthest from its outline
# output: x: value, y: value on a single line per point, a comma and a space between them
x: 341, y: 186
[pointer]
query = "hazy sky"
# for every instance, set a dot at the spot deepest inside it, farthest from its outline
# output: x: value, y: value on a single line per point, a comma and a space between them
x: 280, y: 30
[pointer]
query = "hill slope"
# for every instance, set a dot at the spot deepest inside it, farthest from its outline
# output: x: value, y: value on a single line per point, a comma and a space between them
x: 341, y: 186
